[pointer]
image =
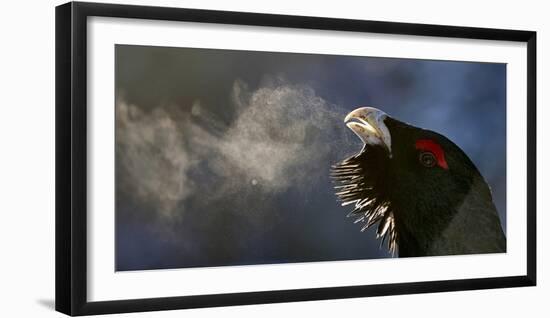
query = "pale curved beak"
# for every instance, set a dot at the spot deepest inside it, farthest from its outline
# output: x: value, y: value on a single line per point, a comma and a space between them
x: 368, y: 124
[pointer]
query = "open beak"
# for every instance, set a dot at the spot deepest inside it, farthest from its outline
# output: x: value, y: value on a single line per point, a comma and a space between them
x: 368, y: 124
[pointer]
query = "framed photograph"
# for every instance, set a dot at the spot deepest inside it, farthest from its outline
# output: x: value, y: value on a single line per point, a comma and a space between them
x: 209, y: 158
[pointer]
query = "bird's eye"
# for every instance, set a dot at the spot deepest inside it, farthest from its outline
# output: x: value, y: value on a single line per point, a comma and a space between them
x: 427, y: 159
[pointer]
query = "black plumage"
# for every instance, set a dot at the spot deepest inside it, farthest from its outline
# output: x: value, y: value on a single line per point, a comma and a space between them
x: 423, y: 192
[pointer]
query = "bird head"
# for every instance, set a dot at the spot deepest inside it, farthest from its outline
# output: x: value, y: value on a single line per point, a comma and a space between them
x: 408, y: 180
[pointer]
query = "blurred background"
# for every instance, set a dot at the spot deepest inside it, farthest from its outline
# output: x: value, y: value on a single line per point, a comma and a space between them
x: 222, y: 157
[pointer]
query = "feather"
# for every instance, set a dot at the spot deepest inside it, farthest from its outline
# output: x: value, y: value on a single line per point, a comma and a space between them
x: 355, y: 185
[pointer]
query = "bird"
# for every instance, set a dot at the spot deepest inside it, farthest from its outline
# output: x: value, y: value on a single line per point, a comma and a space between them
x: 424, y: 194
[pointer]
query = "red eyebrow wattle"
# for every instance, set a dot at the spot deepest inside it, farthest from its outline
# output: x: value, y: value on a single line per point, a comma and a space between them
x: 435, y: 148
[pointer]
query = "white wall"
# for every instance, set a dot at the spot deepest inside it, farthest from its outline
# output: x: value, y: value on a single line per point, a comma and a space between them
x: 27, y: 157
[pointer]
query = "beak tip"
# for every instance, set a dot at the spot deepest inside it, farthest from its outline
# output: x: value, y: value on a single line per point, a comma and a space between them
x: 364, y: 111
x: 373, y: 118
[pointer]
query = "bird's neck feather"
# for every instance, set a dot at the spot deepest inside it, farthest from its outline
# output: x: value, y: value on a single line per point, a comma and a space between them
x: 468, y: 223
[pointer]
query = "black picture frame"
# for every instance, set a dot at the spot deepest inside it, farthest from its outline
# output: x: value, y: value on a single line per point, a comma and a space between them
x: 71, y: 157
